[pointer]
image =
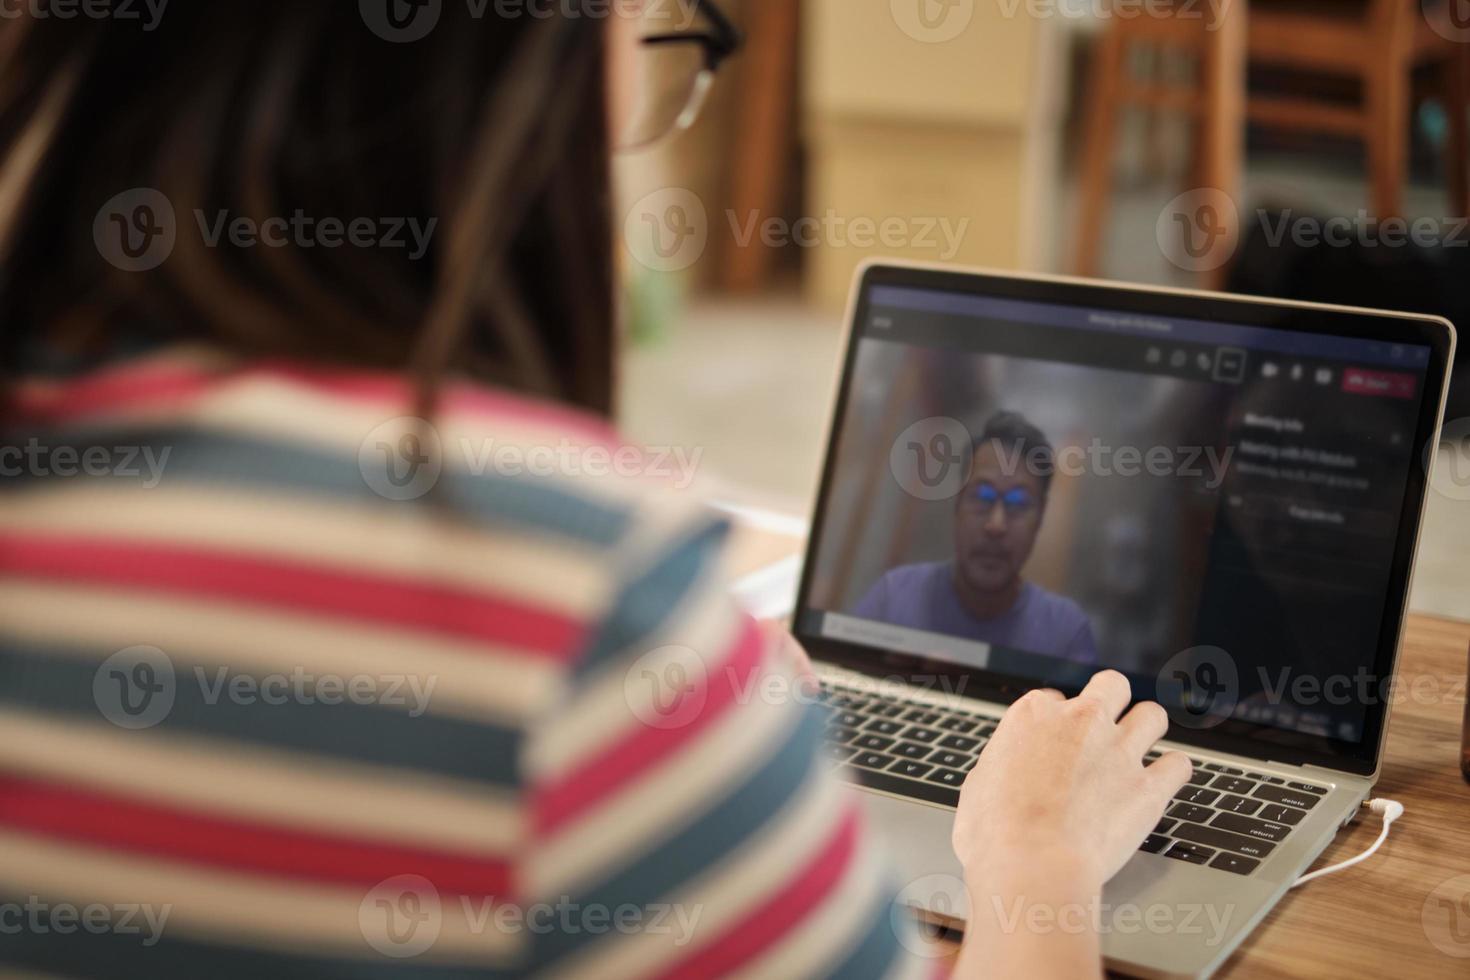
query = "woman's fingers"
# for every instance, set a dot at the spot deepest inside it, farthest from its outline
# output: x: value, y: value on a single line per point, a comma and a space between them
x: 1110, y: 689
x: 1141, y: 727
x: 1163, y: 777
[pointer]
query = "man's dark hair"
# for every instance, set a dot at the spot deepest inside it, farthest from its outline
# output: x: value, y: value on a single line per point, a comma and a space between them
x: 1026, y: 446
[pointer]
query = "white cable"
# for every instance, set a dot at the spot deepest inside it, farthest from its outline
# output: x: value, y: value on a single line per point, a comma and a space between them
x: 1390, y: 810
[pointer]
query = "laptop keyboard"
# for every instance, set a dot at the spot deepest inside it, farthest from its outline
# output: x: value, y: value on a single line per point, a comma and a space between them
x: 1225, y: 818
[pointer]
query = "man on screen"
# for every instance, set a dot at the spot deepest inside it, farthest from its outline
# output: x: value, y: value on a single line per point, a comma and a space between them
x: 980, y: 594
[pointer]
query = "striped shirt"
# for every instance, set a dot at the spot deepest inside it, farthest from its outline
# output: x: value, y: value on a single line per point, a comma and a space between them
x: 292, y: 685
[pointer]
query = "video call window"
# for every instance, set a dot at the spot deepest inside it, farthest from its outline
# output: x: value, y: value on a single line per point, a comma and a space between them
x: 1042, y: 491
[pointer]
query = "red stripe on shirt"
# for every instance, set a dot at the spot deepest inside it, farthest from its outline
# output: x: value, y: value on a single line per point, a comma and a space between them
x: 647, y: 746
x: 777, y: 914
x: 152, y: 384
x: 93, y: 818
x: 402, y: 602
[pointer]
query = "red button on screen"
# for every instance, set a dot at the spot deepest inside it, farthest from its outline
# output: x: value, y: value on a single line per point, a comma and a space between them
x: 1388, y: 384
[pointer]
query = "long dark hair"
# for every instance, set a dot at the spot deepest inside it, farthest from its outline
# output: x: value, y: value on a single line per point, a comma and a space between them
x: 494, y: 126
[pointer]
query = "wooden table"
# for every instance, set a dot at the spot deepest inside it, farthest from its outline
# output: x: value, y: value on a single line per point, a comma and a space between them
x: 1367, y: 921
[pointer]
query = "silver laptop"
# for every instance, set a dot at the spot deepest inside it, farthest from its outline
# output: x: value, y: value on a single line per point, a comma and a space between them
x: 1031, y: 479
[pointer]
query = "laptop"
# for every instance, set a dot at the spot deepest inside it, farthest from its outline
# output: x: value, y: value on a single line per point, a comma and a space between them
x: 1030, y: 479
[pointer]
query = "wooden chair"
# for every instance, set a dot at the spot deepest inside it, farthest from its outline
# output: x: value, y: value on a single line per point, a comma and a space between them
x: 1379, y: 43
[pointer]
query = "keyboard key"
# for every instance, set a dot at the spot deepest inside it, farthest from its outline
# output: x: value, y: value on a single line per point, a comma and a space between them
x: 1254, y: 775
x: 1251, y: 827
x: 1232, y: 785
x: 1227, y: 770
x: 841, y: 736
x: 848, y: 719
x: 875, y: 742
x: 1199, y: 778
x: 948, y: 777
x: 951, y: 760
x: 1234, y: 862
x: 922, y: 717
x: 1193, y: 853
x: 909, y: 768
x: 883, y: 727
x: 1194, y: 794
x: 1275, y: 779
x: 918, y: 734
x: 873, y: 760
x: 1153, y: 844
x: 1238, y: 804
x: 959, y: 743
x: 910, y: 750
x: 986, y: 730
x: 1188, y: 811
x: 889, y: 783
x: 1224, y: 840
x: 839, y: 753
x: 1164, y: 825
x: 959, y: 724
x: 887, y: 710
x: 1287, y: 797
x: 1308, y: 788
x: 1282, y: 814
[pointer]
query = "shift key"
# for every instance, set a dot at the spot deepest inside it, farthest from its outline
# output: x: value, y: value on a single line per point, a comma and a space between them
x: 1290, y: 797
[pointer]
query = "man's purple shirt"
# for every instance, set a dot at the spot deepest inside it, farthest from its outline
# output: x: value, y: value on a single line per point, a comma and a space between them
x: 923, y: 597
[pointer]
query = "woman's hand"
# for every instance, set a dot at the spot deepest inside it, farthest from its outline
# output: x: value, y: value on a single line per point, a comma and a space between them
x: 1063, y: 783
x: 1059, y: 801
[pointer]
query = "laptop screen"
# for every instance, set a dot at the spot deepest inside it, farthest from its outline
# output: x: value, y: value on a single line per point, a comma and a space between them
x: 1039, y: 490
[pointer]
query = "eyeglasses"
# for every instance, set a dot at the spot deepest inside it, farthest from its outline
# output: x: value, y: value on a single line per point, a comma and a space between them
x: 677, y: 71
x: 1018, y: 501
